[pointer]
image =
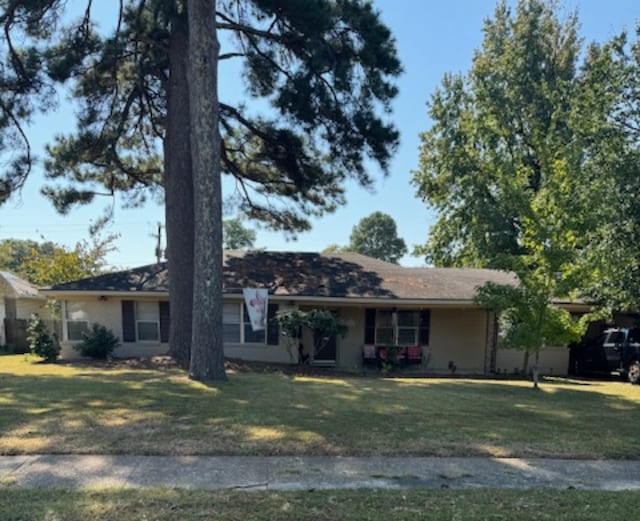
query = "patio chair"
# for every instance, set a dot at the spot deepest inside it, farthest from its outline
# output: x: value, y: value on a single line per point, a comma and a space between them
x: 369, y: 355
x: 414, y: 355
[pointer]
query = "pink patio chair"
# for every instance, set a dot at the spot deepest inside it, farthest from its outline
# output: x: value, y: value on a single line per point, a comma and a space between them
x: 369, y: 355
x: 414, y: 355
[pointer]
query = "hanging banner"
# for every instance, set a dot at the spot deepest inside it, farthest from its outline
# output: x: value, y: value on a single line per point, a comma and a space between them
x: 256, y: 301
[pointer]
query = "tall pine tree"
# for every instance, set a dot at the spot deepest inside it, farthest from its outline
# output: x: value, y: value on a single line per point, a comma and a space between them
x: 325, y: 68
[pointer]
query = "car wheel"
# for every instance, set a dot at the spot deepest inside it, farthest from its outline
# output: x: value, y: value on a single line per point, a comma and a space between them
x: 634, y: 372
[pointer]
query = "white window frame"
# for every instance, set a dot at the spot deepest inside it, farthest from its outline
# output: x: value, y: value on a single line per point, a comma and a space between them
x: 395, y: 327
x: 415, y: 327
x: 385, y: 327
x: 240, y: 307
x: 67, y: 320
x: 156, y: 321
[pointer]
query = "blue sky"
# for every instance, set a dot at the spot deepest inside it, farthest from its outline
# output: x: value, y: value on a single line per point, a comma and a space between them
x: 433, y: 37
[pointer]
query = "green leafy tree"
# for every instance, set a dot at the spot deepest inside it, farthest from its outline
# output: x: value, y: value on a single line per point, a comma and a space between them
x: 608, y: 118
x: 236, y: 237
x: 528, y: 321
x: 500, y: 143
x: 377, y: 236
x: 504, y: 166
x: 14, y: 253
x: 322, y: 323
x: 47, y: 263
x: 290, y: 323
x: 325, y: 68
x: 333, y: 248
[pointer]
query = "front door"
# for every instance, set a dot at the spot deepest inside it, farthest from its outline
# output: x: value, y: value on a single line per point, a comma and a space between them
x: 325, y: 349
x: 326, y: 354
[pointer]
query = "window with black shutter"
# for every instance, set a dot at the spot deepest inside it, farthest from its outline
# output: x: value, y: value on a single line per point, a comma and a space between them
x: 128, y: 321
x: 369, y: 326
x: 273, y: 331
x: 425, y: 323
x: 165, y: 320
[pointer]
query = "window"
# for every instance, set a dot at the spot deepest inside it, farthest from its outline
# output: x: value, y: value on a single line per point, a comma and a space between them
x: 408, y: 328
x: 401, y: 327
x: 77, y: 320
x: 236, y: 326
x: 384, y: 327
x: 147, y: 321
x: 231, y: 322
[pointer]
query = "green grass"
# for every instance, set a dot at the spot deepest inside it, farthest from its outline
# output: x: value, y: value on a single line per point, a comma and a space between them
x: 85, y: 409
x: 471, y: 505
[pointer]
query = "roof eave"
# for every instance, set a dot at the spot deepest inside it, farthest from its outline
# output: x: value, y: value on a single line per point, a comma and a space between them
x: 387, y: 301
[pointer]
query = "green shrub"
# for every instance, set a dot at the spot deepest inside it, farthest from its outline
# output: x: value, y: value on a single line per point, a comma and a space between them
x: 41, y: 342
x: 98, y: 342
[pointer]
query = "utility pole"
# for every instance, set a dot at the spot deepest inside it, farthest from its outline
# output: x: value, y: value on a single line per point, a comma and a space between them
x: 158, y: 236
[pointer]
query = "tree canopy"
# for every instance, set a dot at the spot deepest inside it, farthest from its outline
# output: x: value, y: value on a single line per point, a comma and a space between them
x: 47, y: 263
x: 498, y: 163
x: 377, y: 236
x: 14, y: 253
x: 25, y: 89
x: 236, y: 236
x: 609, y: 109
x: 323, y: 67
x: 523, y: 164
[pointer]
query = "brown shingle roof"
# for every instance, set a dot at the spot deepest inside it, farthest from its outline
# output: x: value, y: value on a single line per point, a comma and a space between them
x: 13, y: 286
x: 291, y: 274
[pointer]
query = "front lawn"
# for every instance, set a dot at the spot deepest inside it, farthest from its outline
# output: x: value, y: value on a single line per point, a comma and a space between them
x: 86, y: 409
x: 373, y: 505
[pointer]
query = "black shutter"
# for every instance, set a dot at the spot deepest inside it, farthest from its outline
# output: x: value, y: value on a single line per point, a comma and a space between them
x: 128, y: 321
x: 425, y: 322
x: 273, y: 331
x: 369, y: 326
x: 165, y: 319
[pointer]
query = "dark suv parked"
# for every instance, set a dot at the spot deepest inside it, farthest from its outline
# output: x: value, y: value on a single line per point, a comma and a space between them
x: 616, y: 351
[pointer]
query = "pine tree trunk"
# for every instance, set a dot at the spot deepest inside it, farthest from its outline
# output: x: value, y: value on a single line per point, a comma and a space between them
x: 207, y: 354
x: 178, y: 184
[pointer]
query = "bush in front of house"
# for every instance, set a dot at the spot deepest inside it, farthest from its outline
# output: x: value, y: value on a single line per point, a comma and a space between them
x: 98, y: 342
x: 41, y: 342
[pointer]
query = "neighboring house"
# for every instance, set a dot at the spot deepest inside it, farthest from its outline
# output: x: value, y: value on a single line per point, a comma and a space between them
x: 382, y: 303
x: 19, y: 299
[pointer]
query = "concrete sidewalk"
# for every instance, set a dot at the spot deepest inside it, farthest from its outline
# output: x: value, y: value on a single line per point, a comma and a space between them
x: 302, y: 473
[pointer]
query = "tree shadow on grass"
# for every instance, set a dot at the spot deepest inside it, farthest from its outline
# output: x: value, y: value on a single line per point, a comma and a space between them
x: 152, y: 412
